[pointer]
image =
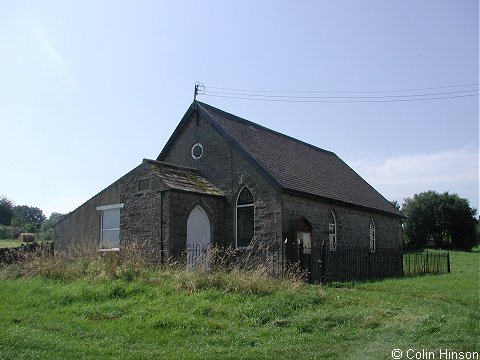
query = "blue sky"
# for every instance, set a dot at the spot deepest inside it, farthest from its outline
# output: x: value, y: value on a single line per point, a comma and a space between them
x: 90, y: 88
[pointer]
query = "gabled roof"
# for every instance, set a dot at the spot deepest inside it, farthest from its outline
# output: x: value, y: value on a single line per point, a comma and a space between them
x: 293, y: 165
x: 182, y: 178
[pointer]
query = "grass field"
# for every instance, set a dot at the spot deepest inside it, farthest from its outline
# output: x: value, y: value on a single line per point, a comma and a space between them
x: 180, y: 315
x: 9, y: 243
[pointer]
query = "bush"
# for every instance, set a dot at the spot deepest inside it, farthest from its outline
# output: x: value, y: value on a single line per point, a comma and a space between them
x: 8, y: 232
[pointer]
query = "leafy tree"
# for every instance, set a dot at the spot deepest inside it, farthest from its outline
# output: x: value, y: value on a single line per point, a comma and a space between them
x: 28, y: 217
x: 445, y: 219
x: 396, y: 204
x: 51, y: 221
x: 477, y: 230
x: 6, y: 210
x: 461, y: 222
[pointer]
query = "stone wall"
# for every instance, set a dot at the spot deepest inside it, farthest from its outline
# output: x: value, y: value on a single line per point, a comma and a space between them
x: 229, y: 170
x: 158, y: 216
x: 181, y: 205
x: 352, y: 223
x: 141, y: 216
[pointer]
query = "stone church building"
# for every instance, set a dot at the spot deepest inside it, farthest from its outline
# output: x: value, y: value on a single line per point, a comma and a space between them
x: 221, y: 179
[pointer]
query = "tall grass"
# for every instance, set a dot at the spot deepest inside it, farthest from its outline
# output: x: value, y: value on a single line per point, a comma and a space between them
x: 220, y: 269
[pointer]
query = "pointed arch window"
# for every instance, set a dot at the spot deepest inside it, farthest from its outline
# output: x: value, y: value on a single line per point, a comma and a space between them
x: 332, y: 231
x: 244, y: 220
x: 372, y: 235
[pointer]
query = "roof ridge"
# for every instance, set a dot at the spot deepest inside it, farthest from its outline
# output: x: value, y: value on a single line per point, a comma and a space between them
x: 248, y: 122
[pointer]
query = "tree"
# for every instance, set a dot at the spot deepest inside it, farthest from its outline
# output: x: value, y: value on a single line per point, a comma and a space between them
x: 6, y: 210
x: 446, y: 220
x: 395, y: 204
x: 28, y: 217
x: 51, y: 221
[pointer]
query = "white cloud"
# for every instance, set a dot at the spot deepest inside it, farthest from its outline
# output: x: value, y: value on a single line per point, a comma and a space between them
x: 399, y: 177
x: 52, y: 52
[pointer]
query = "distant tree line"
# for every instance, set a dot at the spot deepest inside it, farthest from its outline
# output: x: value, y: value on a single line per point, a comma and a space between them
x: 439, y: 220
x: 15, y: 219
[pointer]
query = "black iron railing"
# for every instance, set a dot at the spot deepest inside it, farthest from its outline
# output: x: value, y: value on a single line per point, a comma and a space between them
x: 428, y: 262
x: 318, y: 263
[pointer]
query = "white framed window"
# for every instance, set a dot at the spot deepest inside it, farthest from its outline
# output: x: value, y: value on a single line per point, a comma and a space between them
x: 197, y: 151
x: 244, y: 218
x: 372, y: 234
x: 332, y: 230
x: 110, y: 227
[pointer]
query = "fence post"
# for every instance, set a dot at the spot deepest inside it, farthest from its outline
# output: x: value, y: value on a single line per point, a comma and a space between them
x: 401, y: 261
x: 322, y: 263
x: 427, y: 267
x: 448, y: 262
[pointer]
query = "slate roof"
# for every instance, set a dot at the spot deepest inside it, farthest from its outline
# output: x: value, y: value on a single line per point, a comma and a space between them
x: 182, y: 178
x: 293, y: 165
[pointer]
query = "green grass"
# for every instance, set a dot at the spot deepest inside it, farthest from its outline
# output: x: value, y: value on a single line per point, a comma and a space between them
x: 13, y: 243
x: 9, y: 243
x: 174, y: 314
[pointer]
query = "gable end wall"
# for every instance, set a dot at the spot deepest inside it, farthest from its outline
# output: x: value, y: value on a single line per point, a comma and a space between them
x: 229, y: 170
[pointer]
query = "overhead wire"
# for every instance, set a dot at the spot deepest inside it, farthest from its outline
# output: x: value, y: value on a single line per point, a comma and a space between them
x: 340, y: 100
x: 346, y: 92
x: 264, y: 95
x: 207, y: 92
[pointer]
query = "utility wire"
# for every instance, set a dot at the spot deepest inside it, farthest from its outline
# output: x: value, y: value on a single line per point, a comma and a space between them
x: 211, y: 93
x: 476, y: 85
x: 325, y: 100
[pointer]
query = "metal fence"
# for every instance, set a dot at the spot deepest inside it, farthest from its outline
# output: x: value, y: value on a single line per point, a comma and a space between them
x: 318, y: 263
x: 345, y: 263
x: 422, y: 263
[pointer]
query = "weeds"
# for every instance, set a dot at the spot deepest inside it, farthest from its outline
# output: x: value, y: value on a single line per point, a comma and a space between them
x: 223, y: 269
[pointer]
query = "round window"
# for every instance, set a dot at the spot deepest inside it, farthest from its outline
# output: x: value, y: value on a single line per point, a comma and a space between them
x: 197, y: 151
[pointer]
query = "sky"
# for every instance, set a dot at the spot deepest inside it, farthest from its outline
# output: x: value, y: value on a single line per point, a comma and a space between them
x: 90, y: 88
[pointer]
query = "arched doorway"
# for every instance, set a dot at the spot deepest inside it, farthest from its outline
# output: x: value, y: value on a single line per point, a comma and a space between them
x: 198, y: 236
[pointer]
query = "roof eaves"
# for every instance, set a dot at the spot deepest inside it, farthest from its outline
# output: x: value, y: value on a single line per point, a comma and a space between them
x: 394, y: 209
x: 219, y: 195
x: 340, y: 202
x: 192, y: 172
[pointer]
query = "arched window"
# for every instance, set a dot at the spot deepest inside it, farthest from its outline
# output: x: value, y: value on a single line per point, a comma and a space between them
x: 245, y: 206
x: 372, y: 235
x: 332, y: 231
